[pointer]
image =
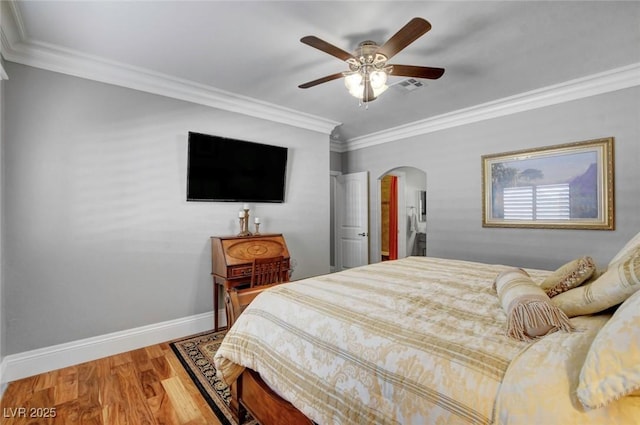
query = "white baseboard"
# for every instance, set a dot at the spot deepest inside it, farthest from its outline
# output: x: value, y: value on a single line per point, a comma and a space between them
x: 3, y: 383
x: 22, y: 365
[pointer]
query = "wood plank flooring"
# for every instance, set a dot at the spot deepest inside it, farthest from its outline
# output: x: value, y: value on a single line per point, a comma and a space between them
x: 148, y: 386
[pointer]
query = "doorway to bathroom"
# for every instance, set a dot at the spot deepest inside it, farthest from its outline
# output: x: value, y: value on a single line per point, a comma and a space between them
x: 403, y: 213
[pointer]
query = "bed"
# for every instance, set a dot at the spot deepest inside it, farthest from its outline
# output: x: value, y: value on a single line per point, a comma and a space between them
x: 414, y: 341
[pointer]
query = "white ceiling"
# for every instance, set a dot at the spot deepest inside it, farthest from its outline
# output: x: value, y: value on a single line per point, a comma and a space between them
x: 490, y: 50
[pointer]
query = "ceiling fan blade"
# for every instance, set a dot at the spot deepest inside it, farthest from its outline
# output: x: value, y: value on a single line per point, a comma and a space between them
x: 407, y: 35
x: 321, y: 80
x: 417, y: 71
x: 329, y: 48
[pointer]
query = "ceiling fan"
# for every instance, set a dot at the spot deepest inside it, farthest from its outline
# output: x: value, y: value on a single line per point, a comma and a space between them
x: 368, y: 66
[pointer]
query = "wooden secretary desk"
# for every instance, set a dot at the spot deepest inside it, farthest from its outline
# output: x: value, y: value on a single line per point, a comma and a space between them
x: 232, y: 259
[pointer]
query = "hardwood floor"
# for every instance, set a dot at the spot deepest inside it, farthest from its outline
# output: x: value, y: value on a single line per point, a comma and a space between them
x: 148, y: 386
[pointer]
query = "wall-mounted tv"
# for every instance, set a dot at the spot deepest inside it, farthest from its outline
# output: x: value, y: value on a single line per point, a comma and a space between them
x: 223, y: 169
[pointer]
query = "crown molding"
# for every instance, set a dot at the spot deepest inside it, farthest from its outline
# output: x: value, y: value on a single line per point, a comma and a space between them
x: 12, y: 24
x: 16, y: 47
x: 336, y: 145
x: 604, y: 82
x: 52, y: 58
x: 8, y: 31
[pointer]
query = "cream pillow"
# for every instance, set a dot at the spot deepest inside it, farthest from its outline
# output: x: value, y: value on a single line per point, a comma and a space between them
x: 633, y: 243
x: 613, y: 287
x: 570, y: 275
x: 530, y: 313
x: 612, y: 367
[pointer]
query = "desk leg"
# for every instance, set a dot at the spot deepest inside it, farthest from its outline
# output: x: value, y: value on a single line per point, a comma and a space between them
x: 216, y: 301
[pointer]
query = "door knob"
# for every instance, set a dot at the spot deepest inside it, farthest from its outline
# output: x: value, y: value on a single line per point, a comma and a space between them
x: 362, y: 234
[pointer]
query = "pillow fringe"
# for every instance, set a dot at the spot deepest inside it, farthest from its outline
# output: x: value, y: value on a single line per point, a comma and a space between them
x: 535, y: 314
x: 584, y: 394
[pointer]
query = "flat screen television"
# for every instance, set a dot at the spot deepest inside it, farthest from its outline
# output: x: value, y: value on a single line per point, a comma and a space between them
x: 228, y: 170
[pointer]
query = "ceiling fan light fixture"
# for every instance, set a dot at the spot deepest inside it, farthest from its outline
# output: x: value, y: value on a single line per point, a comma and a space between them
x: 378, y: 91
x: 355, y: 81
x: 357, y: 91
x: 378, y: 79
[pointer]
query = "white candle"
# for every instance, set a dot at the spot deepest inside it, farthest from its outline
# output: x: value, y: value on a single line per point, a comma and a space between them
x: 245, y: 206
x: 241, y: 214
x: 256, y: 220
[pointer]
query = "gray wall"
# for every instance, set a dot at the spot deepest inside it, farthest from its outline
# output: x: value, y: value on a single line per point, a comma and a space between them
x: 336, y: 161
x: 451, y: 159
x: 3, y: 310
x: 98, y: 235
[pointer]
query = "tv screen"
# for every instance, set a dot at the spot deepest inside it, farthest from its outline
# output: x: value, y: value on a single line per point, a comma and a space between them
x: 222, y: 169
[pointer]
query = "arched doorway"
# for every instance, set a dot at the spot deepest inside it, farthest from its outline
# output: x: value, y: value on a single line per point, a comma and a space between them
x: 402, y: 196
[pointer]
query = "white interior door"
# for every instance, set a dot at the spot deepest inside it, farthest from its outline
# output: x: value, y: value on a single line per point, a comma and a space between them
x: 352, y: 220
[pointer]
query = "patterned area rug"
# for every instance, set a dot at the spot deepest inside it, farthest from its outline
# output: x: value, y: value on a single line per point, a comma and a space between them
x: 196, y: 355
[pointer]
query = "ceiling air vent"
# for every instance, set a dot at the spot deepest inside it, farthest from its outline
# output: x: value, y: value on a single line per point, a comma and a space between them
x: 410, y: 84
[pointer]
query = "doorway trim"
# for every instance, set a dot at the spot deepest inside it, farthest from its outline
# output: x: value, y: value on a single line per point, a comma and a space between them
x: 402, y: 224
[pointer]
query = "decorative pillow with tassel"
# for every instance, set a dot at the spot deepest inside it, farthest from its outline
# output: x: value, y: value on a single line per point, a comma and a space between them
x: 569, y: 276
x: 530, y: 312
x: 619, y: 282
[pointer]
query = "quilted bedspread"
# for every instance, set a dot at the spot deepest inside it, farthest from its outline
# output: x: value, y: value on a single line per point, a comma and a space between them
x: 412, y: 341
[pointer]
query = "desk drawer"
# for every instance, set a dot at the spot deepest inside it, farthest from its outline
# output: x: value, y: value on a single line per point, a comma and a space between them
x: 244, y: 270
x: 239, y: 271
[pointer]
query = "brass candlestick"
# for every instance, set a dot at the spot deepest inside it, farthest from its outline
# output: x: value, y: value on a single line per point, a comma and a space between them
x: 244, y: 224
x: 241, y: 220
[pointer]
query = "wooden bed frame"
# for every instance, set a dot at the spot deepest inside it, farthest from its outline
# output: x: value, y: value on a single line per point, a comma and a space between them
x: 251, y: 394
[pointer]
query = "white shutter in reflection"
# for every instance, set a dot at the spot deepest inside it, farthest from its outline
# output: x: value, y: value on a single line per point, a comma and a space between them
x: 544, y: 202
x: 552, y: 202
x: 518, y: 203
